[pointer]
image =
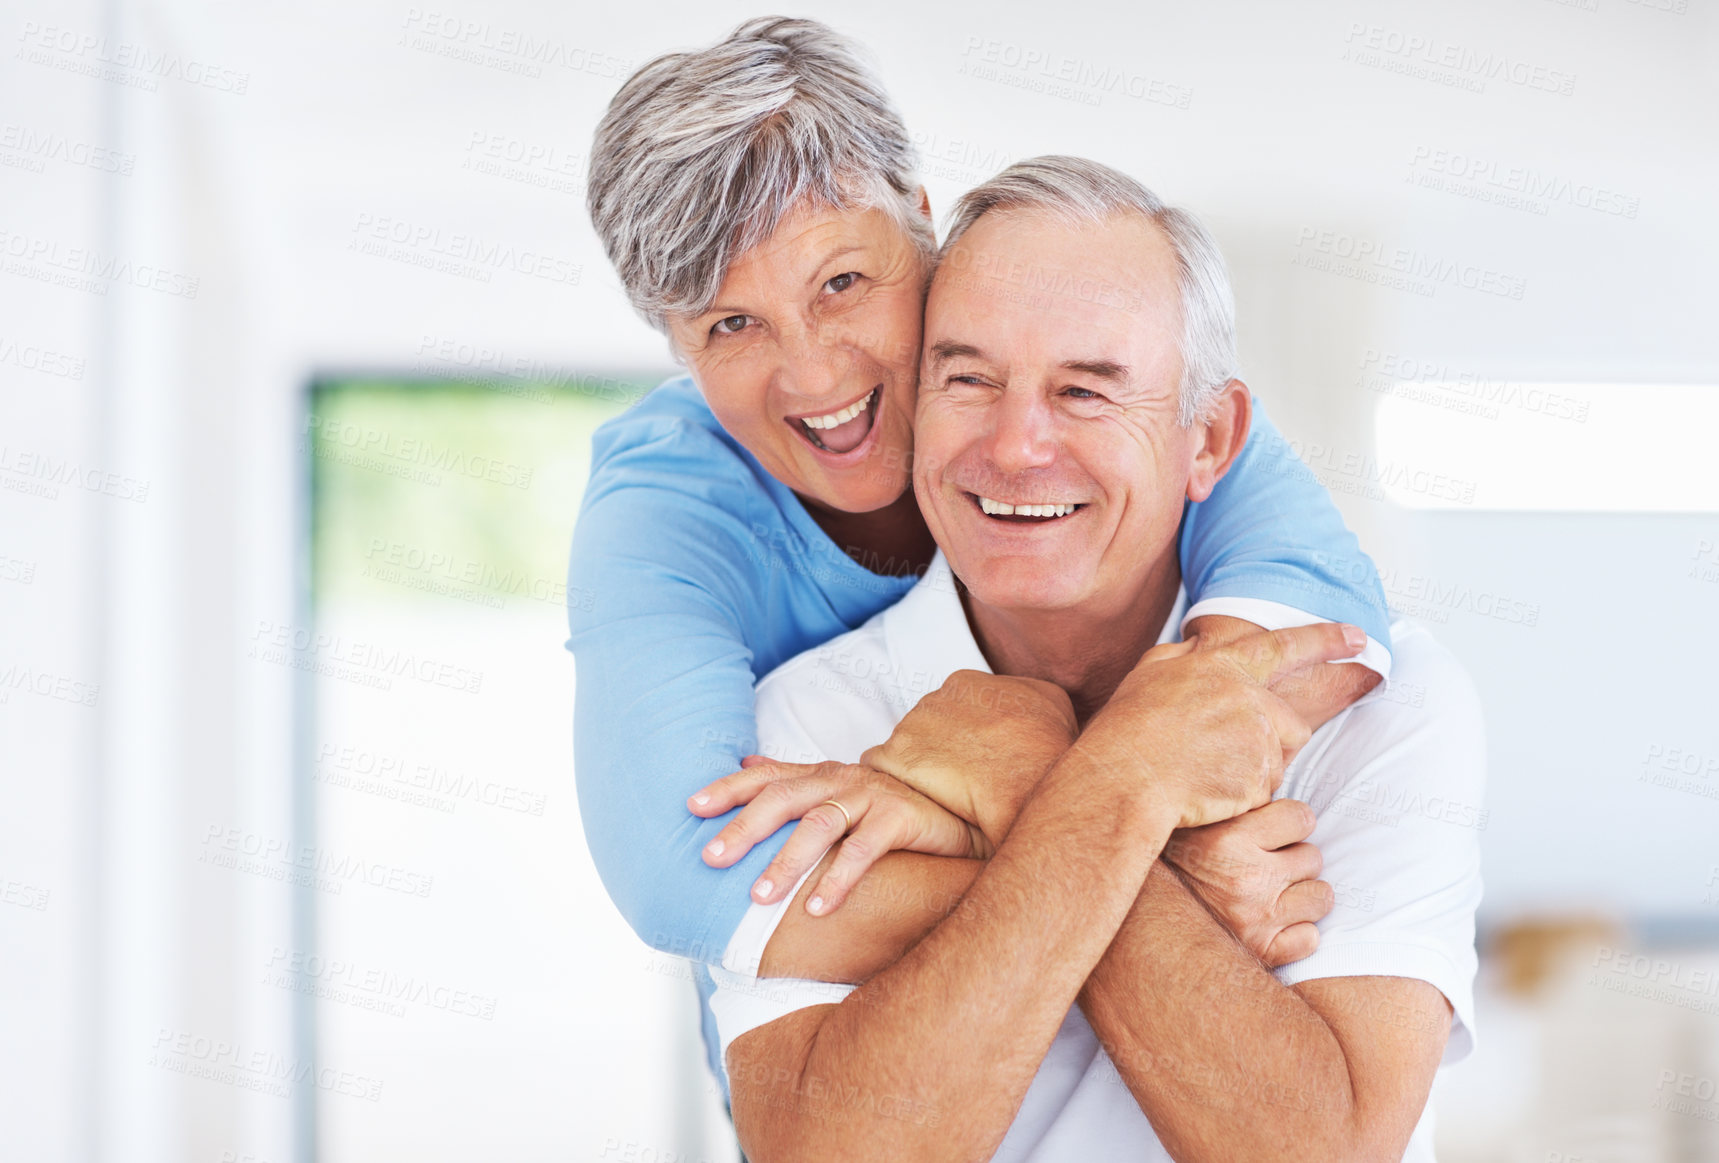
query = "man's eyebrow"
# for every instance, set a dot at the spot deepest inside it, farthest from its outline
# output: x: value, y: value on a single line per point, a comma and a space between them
x: 948, y: 349
x: 1104, y: 369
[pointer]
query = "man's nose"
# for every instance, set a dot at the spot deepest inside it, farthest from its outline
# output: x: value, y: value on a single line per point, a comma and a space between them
x: 1021, y: 435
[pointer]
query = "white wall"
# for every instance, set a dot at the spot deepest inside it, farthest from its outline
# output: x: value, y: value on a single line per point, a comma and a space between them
x: 344, y: 120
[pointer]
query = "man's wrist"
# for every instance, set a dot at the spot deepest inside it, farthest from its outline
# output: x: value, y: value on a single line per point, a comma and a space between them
x: 1120, y: 772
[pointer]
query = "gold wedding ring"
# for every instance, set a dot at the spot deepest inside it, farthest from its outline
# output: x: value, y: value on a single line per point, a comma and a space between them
x: 847, y: 820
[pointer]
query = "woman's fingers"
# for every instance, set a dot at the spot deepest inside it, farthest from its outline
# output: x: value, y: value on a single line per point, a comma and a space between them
x: 861, y: 848
x: 741, y: 786
x: 891, y: 818
x: 773, y: 805
x: 821, y: 826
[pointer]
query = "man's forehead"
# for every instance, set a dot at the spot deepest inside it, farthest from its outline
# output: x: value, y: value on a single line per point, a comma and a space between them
x: 1117, y: 274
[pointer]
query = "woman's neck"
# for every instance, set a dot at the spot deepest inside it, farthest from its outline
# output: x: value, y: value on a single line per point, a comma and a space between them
x: 892, y: 541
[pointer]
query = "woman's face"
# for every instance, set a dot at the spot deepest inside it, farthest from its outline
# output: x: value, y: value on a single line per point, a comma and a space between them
x: 810, y: 355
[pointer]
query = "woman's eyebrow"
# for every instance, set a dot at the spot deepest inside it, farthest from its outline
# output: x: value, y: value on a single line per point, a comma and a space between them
x: 831, y: 257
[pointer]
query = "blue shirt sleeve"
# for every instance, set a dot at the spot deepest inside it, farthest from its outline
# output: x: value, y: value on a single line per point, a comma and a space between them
x: 661, y: 593
x: 1269, y: 531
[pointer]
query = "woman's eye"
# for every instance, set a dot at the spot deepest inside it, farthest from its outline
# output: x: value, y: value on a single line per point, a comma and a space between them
x: 730, y: 325
x: 841, y: 282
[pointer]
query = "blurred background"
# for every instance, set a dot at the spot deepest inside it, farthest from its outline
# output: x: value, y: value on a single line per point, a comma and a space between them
x: 303, y: 335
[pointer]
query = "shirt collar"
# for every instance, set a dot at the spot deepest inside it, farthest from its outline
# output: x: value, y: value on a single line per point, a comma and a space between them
x: 927, y: 633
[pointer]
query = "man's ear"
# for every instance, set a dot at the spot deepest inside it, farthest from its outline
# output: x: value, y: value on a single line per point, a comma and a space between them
x: 1223, y: 435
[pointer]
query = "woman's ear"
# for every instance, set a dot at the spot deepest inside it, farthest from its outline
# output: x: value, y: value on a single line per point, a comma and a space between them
x: 1223, y: 435
x: 924, y: 204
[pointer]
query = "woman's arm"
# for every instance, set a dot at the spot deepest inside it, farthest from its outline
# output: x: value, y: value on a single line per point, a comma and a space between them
x: 661, y: 592
x: 1269, y: 547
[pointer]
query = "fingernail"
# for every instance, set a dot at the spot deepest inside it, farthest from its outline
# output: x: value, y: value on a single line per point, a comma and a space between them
x: 1355, y: 637
x: 701, y: 798
x: 815, y: 905
x: 762, y: 889
x: 715, y: 848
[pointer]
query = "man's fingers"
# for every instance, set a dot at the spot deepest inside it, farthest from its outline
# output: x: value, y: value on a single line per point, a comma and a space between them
x: 1292, y: 944
x: 1305, y: 902
x: 819, y: 828
x: 1298, y: 862
x: 1292, y: 730
x: 1277, y: 824
x: 1270, y: 655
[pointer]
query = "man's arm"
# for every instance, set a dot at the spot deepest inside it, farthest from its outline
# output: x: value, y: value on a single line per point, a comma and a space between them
x: 960, y: 1024
x: 1338, y: 1062
x: 1229, y: 1064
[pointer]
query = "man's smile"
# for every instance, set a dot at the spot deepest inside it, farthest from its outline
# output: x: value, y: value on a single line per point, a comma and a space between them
x: 1026, y: 512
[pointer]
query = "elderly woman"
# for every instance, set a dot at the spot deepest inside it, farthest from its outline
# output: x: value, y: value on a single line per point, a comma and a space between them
x: 759, y: 203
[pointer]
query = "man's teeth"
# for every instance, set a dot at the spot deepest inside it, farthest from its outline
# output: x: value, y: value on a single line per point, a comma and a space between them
x: 835, y: 419
x: 1004, y: 509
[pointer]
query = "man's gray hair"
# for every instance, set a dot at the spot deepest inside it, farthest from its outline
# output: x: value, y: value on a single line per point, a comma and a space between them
x: 1086, y: 191
x: 702, y: 154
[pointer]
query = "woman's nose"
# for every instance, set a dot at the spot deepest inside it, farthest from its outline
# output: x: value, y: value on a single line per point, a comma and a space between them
x: 814, y: 363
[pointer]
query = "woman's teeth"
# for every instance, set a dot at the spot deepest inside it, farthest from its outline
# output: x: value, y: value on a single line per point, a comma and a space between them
x: 835, y: 419
x: 1004, y: 509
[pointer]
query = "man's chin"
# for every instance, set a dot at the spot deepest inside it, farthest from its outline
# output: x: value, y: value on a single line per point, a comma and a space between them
x: 1023, y: 584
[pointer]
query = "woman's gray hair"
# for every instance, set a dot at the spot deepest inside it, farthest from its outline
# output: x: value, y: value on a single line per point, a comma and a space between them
x: 702, y: 154
x: 1086, y: 191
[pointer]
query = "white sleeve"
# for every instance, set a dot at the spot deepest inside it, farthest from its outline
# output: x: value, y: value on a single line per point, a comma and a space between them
x: 1277, y: 616
x: 1398, y: 788
x: 743, y: 1002
x: 781, y: 736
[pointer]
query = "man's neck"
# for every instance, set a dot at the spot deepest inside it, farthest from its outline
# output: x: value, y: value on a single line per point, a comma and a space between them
x: 1087, y: 651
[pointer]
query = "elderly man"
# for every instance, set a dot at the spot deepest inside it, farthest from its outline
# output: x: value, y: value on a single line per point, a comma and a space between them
x: 1080, y: 1002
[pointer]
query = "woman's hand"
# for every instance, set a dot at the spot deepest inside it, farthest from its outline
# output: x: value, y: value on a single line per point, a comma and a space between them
x: 1256, y: 872
x: 978, y: 745
x: 885, y: 814
x: 947, y: 782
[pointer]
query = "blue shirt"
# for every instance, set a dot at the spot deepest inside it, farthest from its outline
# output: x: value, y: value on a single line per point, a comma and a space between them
x: 694, y: 573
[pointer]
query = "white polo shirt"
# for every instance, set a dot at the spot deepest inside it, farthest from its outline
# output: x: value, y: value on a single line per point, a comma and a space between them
x: 1395, y: 780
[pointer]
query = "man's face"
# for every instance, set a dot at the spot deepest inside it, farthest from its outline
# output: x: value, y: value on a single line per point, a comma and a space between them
x: 1049, y: 378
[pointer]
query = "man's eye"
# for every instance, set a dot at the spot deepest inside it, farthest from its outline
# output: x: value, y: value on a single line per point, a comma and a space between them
x: 1081, y: 393
x: 842, y: 282
x: 730, y: 325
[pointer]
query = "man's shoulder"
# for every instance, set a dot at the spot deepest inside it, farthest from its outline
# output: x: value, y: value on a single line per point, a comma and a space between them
x: 1422, y: 725
x: 1428, y: 683
x: 834, y: 700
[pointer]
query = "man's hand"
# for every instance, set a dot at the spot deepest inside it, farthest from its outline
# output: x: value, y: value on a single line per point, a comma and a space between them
x: 978, y: 745
x: 1317, y: 693
x: 1257, y: 874
x: 882, y: 815
x: 1201, y: 725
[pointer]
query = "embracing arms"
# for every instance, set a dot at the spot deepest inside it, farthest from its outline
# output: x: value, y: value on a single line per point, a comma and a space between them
x: 960, y: 1023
